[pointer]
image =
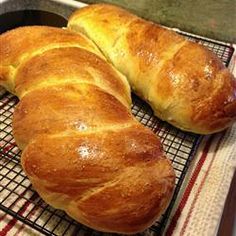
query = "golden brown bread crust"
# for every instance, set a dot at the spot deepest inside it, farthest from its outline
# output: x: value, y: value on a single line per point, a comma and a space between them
x: 57, y: 109
x: 185, y: 83
x: 83, y: 150
x: 118, y: 182
x: 78, y: 66
x: 22, y: 43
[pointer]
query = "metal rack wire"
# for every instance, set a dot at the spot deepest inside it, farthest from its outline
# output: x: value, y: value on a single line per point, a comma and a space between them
x: 18, y: 198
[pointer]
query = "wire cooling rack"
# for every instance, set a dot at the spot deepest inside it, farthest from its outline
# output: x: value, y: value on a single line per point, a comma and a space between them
x: 18, y: 198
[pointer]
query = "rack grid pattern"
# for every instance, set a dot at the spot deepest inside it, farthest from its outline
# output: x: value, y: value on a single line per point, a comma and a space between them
x: 18, y: 198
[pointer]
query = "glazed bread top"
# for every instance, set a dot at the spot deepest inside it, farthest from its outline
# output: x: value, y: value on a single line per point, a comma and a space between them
x: 185, y: 83
x: 83, y: 151
x: 20, y: 44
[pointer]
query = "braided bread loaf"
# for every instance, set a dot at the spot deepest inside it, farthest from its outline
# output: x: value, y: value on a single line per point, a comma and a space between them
x: 82, y: 149
x: 186, y: 84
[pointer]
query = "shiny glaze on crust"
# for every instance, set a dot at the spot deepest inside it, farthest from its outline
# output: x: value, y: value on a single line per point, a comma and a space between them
x: 22, y: 43
x: 120, y: 166
x: 83, y: 151
x: 78, y: 66
x: 150, y: 52
x: 185, y: 83
x: 65, y: 108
